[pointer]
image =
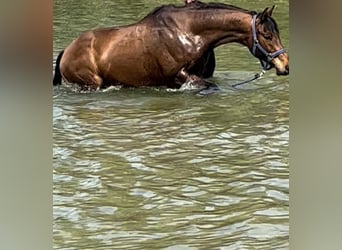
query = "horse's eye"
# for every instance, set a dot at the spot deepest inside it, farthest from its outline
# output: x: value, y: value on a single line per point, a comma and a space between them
x: 268, y: 37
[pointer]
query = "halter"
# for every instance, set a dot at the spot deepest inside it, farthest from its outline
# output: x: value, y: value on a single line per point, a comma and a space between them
x: 269, y: 56
x: 256, y: 44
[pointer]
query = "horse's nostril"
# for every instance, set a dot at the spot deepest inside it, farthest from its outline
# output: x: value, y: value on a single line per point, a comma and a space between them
x: 287, y: 69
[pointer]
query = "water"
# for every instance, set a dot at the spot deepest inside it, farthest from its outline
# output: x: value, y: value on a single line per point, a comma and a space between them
x: 153, y: 169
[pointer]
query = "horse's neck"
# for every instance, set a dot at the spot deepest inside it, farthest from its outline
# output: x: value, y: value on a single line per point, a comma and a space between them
x: 217, y: 29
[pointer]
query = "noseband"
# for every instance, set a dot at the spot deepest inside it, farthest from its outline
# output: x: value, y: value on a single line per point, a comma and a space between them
x: 269, y: 56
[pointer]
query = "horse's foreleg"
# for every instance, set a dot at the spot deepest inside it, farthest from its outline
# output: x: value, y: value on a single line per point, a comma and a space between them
x: 189, y: 81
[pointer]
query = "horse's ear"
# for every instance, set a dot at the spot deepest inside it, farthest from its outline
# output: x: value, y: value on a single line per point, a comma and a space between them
x: 270, y: 10
x: 266, y: 13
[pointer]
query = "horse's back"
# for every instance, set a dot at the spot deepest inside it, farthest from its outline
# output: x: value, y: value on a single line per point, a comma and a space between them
x: 111, y: 54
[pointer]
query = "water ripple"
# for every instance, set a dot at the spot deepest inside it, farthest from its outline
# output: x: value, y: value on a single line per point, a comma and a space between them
x: 154, y: 169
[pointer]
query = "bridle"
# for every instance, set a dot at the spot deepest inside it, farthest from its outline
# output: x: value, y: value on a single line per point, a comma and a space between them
x: 256, y: 45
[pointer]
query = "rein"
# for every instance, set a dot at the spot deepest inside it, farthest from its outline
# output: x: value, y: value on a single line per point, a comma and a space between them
x: 269, y: 56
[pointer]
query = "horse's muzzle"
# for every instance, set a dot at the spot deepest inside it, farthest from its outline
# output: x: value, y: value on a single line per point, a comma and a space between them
x: 280, y: 69
x: 281, y: 63
x: 284, y: 72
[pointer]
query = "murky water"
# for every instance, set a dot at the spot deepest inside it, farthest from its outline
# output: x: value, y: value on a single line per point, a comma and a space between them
x: 153, y: 169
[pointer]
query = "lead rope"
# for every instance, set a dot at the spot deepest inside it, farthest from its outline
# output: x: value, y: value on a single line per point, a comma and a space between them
x: 256, y: 76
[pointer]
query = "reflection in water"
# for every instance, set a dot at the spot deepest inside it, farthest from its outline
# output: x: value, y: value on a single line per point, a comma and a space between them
x: 153, y: 169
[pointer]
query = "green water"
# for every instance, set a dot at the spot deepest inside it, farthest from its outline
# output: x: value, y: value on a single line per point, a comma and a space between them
x: 152, y: 169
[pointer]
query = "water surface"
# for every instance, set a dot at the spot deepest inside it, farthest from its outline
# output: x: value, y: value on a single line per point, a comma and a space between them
x: 154, y: 169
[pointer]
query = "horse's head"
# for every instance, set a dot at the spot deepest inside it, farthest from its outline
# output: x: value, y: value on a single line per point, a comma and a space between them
x: 267, y: 46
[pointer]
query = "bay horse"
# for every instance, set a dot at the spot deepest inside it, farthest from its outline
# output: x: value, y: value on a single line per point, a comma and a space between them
x: 167, y: 47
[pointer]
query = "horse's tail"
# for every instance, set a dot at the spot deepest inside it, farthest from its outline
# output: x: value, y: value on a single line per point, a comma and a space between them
x: 57, y: 78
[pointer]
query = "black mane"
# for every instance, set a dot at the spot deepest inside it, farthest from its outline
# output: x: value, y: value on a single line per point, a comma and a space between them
x: 198, y: 6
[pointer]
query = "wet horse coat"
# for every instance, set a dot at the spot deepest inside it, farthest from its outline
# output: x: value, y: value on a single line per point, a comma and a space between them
x: 166, y: 47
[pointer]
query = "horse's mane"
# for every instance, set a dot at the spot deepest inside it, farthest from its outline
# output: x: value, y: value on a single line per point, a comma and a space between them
x: 197, y: 6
